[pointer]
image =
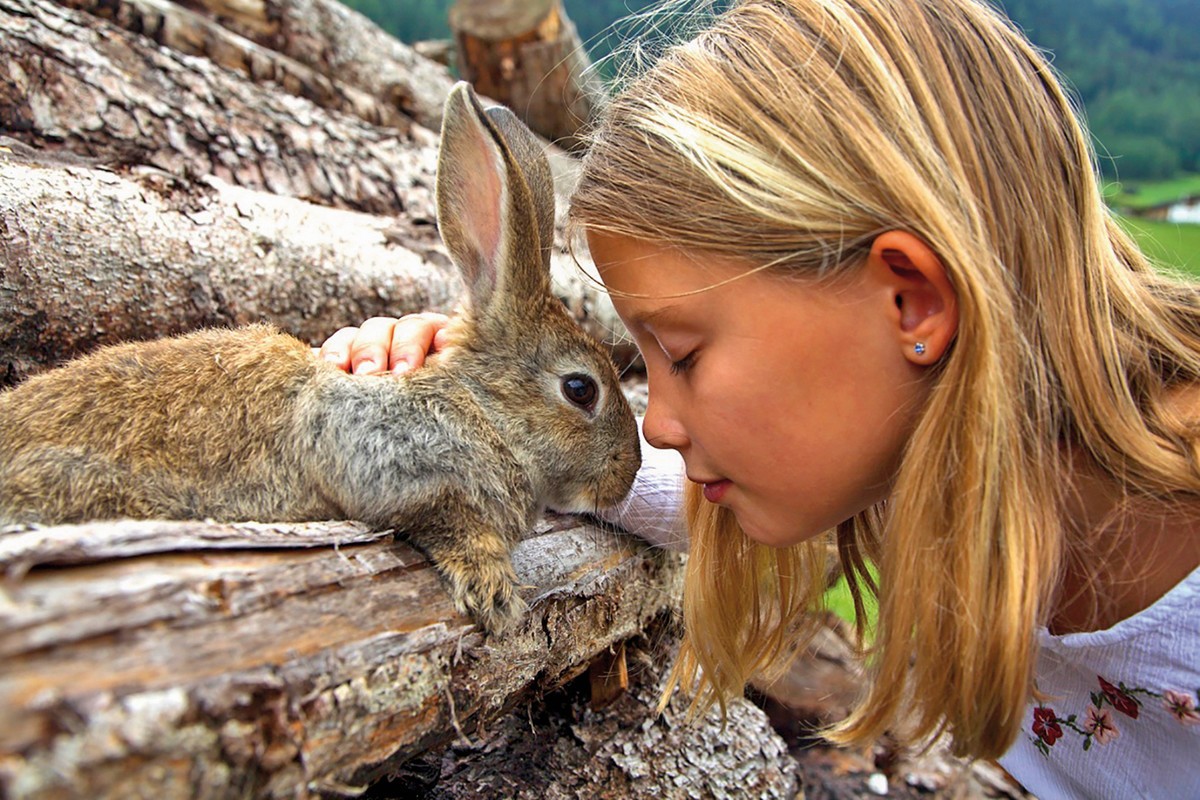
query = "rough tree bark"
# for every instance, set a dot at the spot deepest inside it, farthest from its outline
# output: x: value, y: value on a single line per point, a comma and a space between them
x: 91, y: 256
x: 528, y: 56
x: 317, y: 49
x: 194, y: 660
x: 171, y: 193
x: 565, y: 747
x: 79, y: 83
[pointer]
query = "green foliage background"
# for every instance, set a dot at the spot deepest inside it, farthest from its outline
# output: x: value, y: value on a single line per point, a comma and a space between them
x: 1135, y: 65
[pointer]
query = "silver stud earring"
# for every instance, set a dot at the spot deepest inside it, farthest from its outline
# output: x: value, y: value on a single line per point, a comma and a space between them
x: 919, y: 348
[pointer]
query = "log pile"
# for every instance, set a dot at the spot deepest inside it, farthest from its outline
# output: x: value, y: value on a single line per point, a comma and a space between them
x: 168, y: 167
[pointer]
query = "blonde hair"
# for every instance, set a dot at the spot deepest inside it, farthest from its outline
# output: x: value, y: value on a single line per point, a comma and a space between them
x: 796, y: 131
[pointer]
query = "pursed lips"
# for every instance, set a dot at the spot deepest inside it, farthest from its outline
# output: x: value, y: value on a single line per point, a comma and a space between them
x: 714, y: 488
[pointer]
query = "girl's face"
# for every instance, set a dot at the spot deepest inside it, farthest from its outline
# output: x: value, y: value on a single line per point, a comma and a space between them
x: 790, y: 401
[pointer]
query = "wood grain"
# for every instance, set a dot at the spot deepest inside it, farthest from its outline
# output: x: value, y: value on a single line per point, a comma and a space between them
x: 274, y: 670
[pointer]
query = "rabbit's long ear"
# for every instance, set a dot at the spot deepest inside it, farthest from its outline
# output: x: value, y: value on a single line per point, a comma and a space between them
x: 495, y: 199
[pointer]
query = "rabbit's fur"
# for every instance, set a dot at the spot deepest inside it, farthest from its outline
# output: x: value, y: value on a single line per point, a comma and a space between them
x: 523, y: 410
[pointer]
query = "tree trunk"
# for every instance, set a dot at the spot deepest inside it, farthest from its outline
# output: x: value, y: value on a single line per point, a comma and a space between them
x: 316, y: 49
x: 527, y: 55
x: 192, y: 33
x: 91, y: 257
x: 196, y: 660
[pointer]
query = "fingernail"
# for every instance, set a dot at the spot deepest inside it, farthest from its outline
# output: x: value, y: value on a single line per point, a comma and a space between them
x: 365, y: 367
x: 401, y: 367
x: 336, y: 358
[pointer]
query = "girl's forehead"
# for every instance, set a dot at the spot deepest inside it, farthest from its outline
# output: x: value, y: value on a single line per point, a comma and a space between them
x: 625, y: 259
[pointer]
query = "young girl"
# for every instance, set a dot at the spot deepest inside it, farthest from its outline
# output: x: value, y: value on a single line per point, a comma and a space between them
x: 862, y: 248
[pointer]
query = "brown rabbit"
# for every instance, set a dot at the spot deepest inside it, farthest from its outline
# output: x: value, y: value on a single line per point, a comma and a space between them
x: 522, y: 411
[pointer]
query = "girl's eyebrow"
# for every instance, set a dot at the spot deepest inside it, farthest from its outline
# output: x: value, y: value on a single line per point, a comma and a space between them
x: 649, y: 316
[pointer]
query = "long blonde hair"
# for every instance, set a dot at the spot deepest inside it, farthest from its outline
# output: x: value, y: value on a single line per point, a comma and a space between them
x: 796, y: 131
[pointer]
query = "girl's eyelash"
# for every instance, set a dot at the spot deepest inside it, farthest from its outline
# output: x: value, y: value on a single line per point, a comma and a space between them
x: 683, y: 364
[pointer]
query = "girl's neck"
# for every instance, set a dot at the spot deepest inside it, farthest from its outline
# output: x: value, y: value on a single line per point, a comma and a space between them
x: 1128, y: 552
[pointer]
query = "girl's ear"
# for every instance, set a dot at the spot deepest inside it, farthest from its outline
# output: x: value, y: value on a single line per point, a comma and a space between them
x: 924, y: 304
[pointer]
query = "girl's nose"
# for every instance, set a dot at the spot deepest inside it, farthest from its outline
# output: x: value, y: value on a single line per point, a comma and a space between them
x: 661, y: 427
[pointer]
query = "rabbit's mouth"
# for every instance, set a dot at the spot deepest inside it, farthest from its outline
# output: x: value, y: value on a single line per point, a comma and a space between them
x: 585, y: 502
x: 590, y: 499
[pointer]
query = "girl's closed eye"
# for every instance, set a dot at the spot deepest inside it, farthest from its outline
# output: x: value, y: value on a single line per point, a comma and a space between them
x: 683, y: 364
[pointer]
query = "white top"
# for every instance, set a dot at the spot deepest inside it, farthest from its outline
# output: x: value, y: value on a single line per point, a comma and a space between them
x: 1122, y: 714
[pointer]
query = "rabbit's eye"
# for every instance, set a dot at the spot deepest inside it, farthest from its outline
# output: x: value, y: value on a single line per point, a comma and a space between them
x: 580, y: 390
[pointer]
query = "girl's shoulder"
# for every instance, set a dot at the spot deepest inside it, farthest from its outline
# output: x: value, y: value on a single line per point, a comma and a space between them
x: 1117, y: 712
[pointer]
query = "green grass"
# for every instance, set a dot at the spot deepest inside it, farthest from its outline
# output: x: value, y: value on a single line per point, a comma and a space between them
x: 839, y: 601
x: 1173, y: 246
x: 1140, y: 195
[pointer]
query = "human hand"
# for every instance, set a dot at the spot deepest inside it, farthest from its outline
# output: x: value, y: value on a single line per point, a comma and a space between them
x: 383, y: 344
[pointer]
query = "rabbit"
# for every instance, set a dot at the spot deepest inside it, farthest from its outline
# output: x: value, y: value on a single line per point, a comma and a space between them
x: 523, y: 410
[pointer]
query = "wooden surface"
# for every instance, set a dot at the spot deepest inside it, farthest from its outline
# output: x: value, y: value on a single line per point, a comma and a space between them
x: 80, y: 83
x: 498, y: 20
x: 317, y: 49
x: 148, y: 191
x: 529, y: 57
x: 562, y: 747
x: 236, y: 662
x: 94, y: 257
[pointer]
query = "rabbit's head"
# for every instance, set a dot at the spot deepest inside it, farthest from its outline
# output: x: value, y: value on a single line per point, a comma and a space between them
x: 551, y: 388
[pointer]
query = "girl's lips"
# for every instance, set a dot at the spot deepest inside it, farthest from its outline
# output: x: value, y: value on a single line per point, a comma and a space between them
x: 713, y: 492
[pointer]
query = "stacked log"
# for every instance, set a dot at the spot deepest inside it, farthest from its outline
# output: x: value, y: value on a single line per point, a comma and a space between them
x: 196, y: 660
x: 148, y: 189
x: 527, y: 54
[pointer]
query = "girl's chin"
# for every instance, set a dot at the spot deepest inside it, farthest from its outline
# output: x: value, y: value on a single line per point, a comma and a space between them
x: 769, y: 534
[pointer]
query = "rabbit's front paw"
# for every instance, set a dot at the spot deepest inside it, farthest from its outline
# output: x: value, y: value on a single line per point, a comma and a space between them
x: 489, y: 594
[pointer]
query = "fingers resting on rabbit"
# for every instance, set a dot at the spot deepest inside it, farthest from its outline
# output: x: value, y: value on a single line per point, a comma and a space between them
x: 386, y: 344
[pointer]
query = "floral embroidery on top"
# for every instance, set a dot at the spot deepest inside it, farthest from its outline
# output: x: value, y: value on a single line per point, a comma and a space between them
x: 1121, y: 699
x: 1182, y: 707
x: 1099, y: 725
x: 1046, y: 726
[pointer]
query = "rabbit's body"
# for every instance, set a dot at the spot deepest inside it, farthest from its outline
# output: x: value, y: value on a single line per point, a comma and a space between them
x: 522, y: 410
x: 199, y: 426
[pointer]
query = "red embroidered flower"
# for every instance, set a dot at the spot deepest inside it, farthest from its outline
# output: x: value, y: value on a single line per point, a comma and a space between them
x: 1120, y: 701
x: 1045, y: 725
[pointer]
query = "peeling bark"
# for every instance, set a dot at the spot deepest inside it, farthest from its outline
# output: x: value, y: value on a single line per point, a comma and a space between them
x: 80, y: 83
x: 194, y: 673
x: 562, y: 748
x: 200, y: 34
x: 92, y: 257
